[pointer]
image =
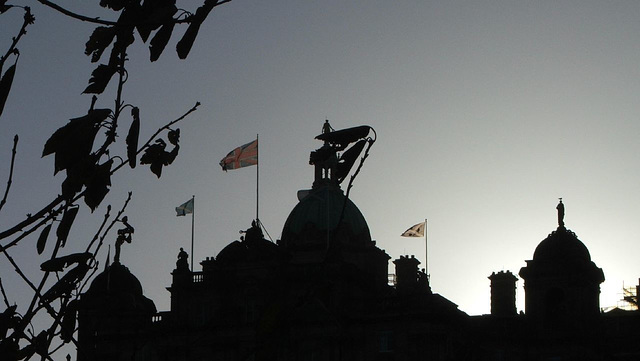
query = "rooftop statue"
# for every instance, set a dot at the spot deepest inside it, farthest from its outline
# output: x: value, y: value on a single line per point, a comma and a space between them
x: 560, y: 208
x: 182, y: 263
x: 124, y: 235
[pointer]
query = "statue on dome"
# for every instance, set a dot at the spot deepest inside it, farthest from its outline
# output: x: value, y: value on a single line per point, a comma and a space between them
x: 333, y: 167
x: 182, y: 263
x: 560, y: 208
x: 124, y: 235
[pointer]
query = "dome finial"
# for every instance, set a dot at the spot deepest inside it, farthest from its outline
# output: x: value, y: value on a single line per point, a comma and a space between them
x: 560, y: 208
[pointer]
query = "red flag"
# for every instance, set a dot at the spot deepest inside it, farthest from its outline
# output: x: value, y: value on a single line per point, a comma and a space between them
x: 242, y: 156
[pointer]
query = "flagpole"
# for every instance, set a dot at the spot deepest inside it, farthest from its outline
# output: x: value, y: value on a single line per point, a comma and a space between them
x: 193, y: 216
x: 426, y: 250
x: 257, y: 175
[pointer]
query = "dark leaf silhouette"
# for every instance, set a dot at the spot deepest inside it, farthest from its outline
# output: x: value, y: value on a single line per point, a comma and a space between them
x: 66, y: 284
x: 41, y: 343
x: 65, y: 225
x: 155, y: 13
x: 42, y: 240
x: 98, y: 185
x: 8, y: 320
x: 116, y: 5
x: 174, y: 136
x: 58, y: 264
x: 184, y: 45
x: 5, y: 85
x: 9, y: 348
x: 77, y: 176
x: 3, y: 6
x: 160, y: 40
x: 73, y: 142
x: 157, y: 157
x: 100, y: 78
x: 68, y: 323
x: 99, y: 40
x: 132, y: 137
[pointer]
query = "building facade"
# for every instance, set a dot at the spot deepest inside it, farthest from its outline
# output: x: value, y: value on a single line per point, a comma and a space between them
x: 322, y: 292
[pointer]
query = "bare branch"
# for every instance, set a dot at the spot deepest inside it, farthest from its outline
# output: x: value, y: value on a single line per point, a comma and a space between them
x: 28, y: 19
x: 74, y: 15
x: 10, y: 180
x: 4, y: 294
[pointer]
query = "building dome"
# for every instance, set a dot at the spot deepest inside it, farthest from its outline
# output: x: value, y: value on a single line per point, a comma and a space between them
x: 117, y: 288
x: 318, y: 215
x: 253, y: 248
x: 561, y: 244
x: 115, y: 279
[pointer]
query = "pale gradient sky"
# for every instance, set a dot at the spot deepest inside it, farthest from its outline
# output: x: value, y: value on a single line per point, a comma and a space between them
x: 486, y: 112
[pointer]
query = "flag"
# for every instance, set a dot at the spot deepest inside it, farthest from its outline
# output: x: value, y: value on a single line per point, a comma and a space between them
x: 185, y: 208
x: 415, y: 231
x: 242, y: 156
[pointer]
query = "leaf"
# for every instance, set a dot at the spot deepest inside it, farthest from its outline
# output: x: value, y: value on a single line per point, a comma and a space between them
x: 98, y: 185
x: 73, y: 142
x: 155, y: 13
x: 41, y: 343
x: 160, y: 40
x: 174, y: 136
x: 66, y: 284
x: 100, y: 78
x: 5, y: 85
x: 68, y: 324
x: 99, y: 40
x: 116, y: 5
x: 65, y: 225
x: 58, y: 264
x: 184, y: 45
x: 154, y: 155
x: 132, y: 137
x: 42, y: 240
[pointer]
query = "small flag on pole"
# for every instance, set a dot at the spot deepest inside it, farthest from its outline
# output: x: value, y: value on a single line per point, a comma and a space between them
x: 415, y: 231
x: 243, y: 156
x: 185, y: 208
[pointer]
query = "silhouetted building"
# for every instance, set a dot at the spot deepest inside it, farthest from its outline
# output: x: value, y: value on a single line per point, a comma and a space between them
x: 322, y: 292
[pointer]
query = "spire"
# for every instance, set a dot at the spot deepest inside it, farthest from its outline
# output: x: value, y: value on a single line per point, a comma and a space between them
x: 560, y: 208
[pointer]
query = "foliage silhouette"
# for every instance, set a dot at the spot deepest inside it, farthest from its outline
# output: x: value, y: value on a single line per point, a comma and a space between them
x: 87, y: 157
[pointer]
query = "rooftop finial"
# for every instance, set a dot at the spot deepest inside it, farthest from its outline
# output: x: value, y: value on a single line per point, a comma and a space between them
x: 560, y: 208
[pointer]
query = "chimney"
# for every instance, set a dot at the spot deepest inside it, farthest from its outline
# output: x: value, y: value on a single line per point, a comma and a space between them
x: 503, y: 293
x: 406, y: 273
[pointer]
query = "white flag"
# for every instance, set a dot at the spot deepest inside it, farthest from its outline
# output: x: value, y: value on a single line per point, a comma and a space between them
x: 415, y: 231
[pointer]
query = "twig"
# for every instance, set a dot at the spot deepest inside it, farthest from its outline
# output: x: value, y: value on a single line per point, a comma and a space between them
x: 13, y: 158
x: 115, y: 220
x: 74, y: 15
x: 4, y: 294
x: 97, y: 234
x: 28, y: 19
x: 31, y: 312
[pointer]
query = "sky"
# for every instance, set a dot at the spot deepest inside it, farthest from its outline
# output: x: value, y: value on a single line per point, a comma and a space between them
x: 486, y: 112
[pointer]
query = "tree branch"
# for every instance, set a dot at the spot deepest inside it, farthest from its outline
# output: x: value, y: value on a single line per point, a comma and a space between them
x: 4, y: 294
x: 73, y: 15
x: 50, y: 208
x: 13, y: 158
x: 28, y: 19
